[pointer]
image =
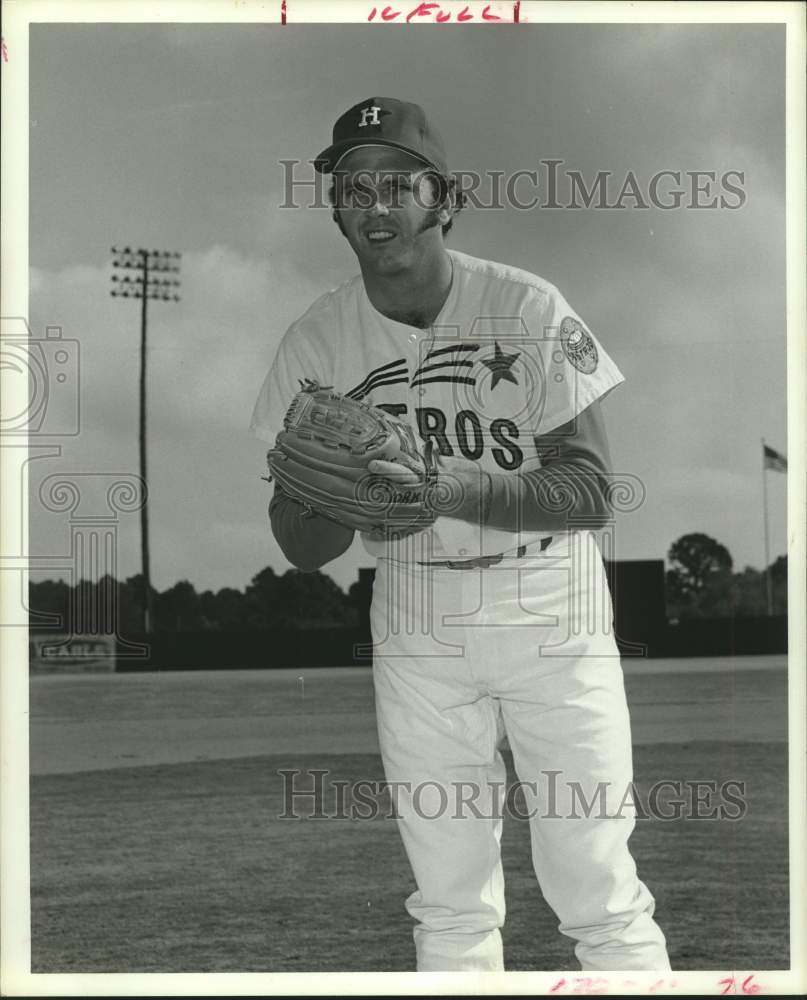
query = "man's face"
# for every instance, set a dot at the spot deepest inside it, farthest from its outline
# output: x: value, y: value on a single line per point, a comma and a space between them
x: 386, y: 202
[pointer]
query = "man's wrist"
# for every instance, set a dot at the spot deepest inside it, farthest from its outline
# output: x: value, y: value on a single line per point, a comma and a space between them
x: 549, y: 499
x: 464, y: 491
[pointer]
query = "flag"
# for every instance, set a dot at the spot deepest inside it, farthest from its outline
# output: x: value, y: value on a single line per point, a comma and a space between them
x: 773, y: 460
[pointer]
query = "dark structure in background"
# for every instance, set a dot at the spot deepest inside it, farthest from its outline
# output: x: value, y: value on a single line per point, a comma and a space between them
x: 637, y: 593
x: 315, y: 624
x: 642, y: 627
x: 640, y: 618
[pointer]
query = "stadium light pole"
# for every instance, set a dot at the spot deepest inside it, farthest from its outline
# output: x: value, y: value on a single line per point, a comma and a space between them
x: 145, y: 274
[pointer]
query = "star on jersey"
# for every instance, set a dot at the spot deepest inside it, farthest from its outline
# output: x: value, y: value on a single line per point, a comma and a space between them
x: 500, y: 365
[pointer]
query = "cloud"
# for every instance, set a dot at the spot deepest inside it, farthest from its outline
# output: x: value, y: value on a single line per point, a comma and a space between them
x: 207, y: 356
x: 173, y: 135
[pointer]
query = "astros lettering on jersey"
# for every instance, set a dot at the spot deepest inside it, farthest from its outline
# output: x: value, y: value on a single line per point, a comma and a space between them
x: 506, y: 360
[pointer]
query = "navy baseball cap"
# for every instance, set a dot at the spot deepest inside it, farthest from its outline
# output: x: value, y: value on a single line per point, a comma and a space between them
x: 383, y: 121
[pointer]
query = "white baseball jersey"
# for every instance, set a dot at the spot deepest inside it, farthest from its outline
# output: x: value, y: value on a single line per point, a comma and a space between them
x: 524, y: 647
x: 506, y: 360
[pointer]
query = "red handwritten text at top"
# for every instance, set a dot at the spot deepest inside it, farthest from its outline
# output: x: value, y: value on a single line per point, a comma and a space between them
x: 433, y: 11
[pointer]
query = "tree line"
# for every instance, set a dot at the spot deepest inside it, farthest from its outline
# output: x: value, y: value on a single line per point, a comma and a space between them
x: 700, y: 583
x: 293, y: 600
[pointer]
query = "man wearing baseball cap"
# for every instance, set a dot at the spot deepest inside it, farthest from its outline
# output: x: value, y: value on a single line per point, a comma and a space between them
x: 496, y: 618
x: 382, y: 121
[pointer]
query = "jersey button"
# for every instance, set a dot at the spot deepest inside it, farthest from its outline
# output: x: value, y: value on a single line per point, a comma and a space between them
x: 413, y: 337
x: 421, y: 392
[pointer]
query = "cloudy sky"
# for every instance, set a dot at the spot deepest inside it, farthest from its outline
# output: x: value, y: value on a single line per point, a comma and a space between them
x: 170, y: 137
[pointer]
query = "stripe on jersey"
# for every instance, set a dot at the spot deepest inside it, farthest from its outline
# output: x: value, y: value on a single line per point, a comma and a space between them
x: 455, y: 347
x: 397, y: 369
x: 444, y: 378
x: 452, y: 364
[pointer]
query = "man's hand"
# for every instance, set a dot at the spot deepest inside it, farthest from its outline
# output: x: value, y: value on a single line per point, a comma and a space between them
x: 570, y: 481
x: 461, y: 490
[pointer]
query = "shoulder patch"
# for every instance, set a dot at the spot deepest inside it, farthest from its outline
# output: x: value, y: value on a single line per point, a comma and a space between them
x: 578, y: 345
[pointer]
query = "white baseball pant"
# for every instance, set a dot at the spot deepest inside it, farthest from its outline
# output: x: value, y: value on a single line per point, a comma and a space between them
x: 524, y: 647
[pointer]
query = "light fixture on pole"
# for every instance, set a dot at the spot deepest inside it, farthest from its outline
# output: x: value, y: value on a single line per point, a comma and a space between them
x: 145, y: 274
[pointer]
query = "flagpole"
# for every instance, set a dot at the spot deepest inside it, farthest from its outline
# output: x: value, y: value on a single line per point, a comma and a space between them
x: 768, y: 581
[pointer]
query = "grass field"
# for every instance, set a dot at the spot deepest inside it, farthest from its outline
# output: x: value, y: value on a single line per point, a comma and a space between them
x: 182, y: 864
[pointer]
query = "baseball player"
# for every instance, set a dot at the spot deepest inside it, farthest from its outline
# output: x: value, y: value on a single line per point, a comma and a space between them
x: 493, y: 618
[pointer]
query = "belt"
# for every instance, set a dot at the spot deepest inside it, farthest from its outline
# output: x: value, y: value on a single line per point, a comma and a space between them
x: 482, y: 562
